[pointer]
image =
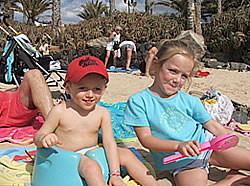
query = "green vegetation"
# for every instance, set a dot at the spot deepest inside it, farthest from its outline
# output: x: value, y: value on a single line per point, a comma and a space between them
x: 226, y: 31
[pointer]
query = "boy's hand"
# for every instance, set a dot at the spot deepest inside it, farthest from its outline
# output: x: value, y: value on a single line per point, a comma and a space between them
x: 116, y: 181
x: 49, y: 140
x: 189, y: 148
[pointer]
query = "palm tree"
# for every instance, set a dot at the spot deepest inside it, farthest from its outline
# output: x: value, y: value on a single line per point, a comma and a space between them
x: 111, y: 7
x: 197, y: 15
x: 9, y: 7
x: 219, y: 6
x: 93, y: 10
x: 31, y: 9
x: 134, y: 4
x: 147, y: 6
x: 179, y: 5
x: 130, y: 3
x: 56, y: 16
x: 190, y: 15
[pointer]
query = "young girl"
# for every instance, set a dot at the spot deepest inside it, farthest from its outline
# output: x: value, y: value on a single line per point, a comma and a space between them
x: 167, y: 120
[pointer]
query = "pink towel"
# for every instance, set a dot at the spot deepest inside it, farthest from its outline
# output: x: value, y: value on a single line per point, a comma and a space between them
x: 21, y: 135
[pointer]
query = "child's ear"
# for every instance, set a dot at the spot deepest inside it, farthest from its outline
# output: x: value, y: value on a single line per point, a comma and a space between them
x: 67, y: 88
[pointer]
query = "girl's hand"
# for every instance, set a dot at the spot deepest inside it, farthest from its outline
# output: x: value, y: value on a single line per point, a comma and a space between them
x: 49, y: 140
x: 189, y: 148
x: 116, y: 181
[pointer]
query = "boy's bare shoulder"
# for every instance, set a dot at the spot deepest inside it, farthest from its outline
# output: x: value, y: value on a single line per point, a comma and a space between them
x: 59, y: 108
x: 102, y: 109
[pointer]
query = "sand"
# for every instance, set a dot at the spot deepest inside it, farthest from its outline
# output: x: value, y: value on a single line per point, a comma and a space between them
x: 234, y: 84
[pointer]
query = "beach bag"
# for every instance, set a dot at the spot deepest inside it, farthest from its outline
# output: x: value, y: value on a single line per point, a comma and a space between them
x: 219, y: 106
x: 116, y: 45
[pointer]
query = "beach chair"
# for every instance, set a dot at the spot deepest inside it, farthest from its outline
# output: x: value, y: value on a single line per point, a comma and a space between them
x: 19, y: 56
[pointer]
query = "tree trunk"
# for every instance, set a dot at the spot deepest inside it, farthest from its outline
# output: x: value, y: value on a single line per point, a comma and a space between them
x: 56, y: 17
x: 190, y: 15
x: 111, y: 7
x: 197, y: 14
x: 219, y: 10
x: 147, y: 6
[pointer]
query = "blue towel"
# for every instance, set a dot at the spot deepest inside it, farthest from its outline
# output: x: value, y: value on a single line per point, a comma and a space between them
x: 113, y: 69
x: 122, y: 132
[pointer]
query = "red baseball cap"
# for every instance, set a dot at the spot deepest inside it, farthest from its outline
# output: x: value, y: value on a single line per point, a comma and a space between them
x: 84, y: 65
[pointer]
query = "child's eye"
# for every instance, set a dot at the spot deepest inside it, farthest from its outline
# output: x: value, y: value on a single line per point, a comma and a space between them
x: 84, y: 88
x: 97, y: 90
x: 172, y: 71
x: 184, y: 76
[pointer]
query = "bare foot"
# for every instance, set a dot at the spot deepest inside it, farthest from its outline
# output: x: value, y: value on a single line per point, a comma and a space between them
x: 234, y: 178
x: 128, y: 69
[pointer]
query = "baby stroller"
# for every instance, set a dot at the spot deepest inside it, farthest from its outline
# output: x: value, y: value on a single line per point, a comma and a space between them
x: 19, y: 56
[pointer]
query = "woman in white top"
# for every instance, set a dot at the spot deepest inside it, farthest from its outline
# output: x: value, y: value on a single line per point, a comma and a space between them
x: 113, y: 45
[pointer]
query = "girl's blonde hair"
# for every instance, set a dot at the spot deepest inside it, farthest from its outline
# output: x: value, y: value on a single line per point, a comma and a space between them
x: 169, y: 48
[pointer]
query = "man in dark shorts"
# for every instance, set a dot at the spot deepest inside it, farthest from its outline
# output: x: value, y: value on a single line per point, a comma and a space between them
x: 20, y: 107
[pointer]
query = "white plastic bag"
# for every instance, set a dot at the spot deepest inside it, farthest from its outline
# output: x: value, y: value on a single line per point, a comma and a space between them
x: 222, y: 110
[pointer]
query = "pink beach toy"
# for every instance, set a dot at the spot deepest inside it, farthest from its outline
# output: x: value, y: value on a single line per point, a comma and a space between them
x: 219, y: 143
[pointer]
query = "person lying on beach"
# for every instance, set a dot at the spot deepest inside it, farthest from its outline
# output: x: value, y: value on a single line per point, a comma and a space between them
x: 20, y: 107
x: 167, y: 120
x: 74, y: 126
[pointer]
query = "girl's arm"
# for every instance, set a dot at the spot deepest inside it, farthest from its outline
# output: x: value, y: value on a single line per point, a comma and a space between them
x: 215, y: 127
x: 188, y: 148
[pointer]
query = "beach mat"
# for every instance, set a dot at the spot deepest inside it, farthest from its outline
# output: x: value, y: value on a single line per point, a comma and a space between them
x: 122, y: 132
x: 21, y: 135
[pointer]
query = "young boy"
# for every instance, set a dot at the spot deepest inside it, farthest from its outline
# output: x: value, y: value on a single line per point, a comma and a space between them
x: 74, y: 125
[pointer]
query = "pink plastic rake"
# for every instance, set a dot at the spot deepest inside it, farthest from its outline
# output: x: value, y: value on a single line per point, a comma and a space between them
x: 219, y: 143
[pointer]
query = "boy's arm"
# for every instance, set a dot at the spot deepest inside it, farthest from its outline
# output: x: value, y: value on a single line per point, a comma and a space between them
x: 47, y: 129
x: 215, y: 127
x: 109, y: 143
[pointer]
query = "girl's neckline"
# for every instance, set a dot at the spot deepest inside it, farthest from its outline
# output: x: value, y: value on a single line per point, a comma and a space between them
x: 168, y: 99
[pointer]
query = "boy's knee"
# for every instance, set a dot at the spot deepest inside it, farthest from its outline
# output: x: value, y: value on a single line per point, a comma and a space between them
x: 90, y: 167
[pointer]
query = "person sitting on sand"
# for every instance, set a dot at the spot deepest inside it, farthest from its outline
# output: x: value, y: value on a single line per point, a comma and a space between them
x: 128, y: 47
x: 74, y: 125
x: 20, y: 107
x: 146, y: 64
x: 167, y: 120
x: 149, y: 59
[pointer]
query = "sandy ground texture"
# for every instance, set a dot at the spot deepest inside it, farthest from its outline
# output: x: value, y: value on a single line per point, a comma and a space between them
x: 235, y: 85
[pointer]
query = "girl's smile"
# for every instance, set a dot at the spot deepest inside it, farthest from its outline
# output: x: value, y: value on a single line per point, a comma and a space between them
x: 172, y: 75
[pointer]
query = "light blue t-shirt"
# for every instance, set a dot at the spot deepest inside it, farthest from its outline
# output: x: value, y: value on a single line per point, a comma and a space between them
x: 179, y: 118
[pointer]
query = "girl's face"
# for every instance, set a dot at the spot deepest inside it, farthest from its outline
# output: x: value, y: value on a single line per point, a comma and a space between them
x: 87, y: 92
x: 172, y: 75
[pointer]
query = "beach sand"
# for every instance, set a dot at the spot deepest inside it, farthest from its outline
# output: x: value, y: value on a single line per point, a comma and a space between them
x: 234, y: 84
